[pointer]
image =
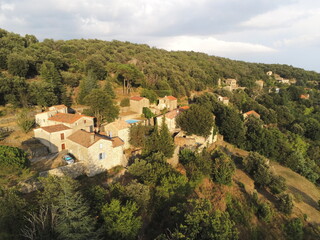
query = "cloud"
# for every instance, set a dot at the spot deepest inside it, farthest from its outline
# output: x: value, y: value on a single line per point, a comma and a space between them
x: 211, y: 45
x: 260, y: 29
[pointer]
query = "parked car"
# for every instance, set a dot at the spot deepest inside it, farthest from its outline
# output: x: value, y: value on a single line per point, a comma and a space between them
x: 68, y: 159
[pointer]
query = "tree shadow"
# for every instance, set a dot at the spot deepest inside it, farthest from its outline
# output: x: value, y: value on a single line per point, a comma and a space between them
x: 304, y: 197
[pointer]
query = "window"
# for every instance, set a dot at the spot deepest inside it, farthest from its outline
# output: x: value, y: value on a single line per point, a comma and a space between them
x: 100, y: 145
x: 84, y: 121
x: 63, y: 146
x: 62, y: 136
x: 102, y: 156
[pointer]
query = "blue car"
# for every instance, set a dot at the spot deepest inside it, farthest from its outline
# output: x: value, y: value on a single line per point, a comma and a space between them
x: 68, y: 159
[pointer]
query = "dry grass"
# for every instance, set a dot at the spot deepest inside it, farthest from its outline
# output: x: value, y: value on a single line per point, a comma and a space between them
x: 306, y: 194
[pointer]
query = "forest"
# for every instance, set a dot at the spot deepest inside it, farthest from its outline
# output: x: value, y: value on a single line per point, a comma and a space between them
x: 202, y: 197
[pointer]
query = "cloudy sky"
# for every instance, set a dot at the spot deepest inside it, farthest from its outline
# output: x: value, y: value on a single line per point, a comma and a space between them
x: 268, y: 31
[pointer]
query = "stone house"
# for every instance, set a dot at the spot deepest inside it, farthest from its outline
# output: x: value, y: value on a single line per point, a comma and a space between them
x: 269, y: 73
x: 97, y: 152
x: 42, y: 118
x: 74, y: 121
x: 168, y: 102
x: 224, y: 100
x: 260, y: 83
x: 118, y: 128
x: 137, y: 104
x: 304, y: 96
x: 251, y: 113
x: 231, y: 84
x: 193, y: 141
x: 170, y: 119
x: 54, y: 137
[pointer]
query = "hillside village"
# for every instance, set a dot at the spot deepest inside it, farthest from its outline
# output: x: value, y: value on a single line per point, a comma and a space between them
x: 101, y: 149
x: 114, y: 140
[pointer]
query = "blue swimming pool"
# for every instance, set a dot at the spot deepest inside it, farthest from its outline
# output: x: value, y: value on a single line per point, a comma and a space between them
x: 130, y: 121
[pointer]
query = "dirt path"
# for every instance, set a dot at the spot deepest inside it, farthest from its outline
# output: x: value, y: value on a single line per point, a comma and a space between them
x: 306, y: 194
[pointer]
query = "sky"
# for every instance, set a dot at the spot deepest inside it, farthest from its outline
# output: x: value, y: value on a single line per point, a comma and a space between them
x: 264, y: 31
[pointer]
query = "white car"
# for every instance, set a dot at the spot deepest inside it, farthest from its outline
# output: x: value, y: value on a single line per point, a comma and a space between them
x: 68, y: 159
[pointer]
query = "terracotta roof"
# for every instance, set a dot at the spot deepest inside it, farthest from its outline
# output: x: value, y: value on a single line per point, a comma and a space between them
x: 66, y: 117
x: 119, y: 124
x: 136, y: 98
x: 185, y: 107
x: 171, y: 98
x: 86, y: 139
x: 57, y: 107
x: 116, y: 142
x: 252, y: 112
x: 304, y: 96
x: 55, y: 128
x: 172, y: 114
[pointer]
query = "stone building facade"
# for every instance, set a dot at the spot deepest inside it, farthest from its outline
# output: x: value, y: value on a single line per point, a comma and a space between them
x: 98, y: 152
x: 54, y: 137
x: 42, y: 118
x: 168, y: 102
x: 119, y: 128
x: 137, y: 104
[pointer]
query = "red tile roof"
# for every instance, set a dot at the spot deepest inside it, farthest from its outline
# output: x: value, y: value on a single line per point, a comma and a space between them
x: 171, y: 98
x: 136, y: 98
x: 66, y: 117
x: 304, y: 96
x: 185, y: 107
x: 86, y: 139
x: 55, y: 128
x: 116, y: 142
x: 172, y: 114
x: 252, y: 112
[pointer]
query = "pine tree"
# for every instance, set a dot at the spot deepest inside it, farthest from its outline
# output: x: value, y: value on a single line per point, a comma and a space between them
x: 160, y: 141
x: 109, y: 90
x: 121, y: 221
x: 151, y: 144
x: 166, y: 143
x: 74, y: 221
x: 86, y: 85
x: 52, y: 76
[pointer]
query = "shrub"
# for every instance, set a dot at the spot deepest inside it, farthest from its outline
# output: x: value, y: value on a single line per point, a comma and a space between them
x: 125, y: 102
x: 25, y: 121
x: 13, y: 156
x: 294, y: 229
x: 265, y: 212
x: 277, y: 184
x: 285, y: 203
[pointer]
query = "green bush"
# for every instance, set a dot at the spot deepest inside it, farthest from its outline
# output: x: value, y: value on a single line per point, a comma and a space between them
x: 285, y: 203
x: 25, y: 121
x: 294, y: 229
x: 125, y: 102
x: 265, y: 212
x: 277, y: 184
x: 13, y: 156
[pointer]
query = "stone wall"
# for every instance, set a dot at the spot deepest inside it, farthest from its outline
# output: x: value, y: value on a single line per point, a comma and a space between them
x: 72, y: 170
